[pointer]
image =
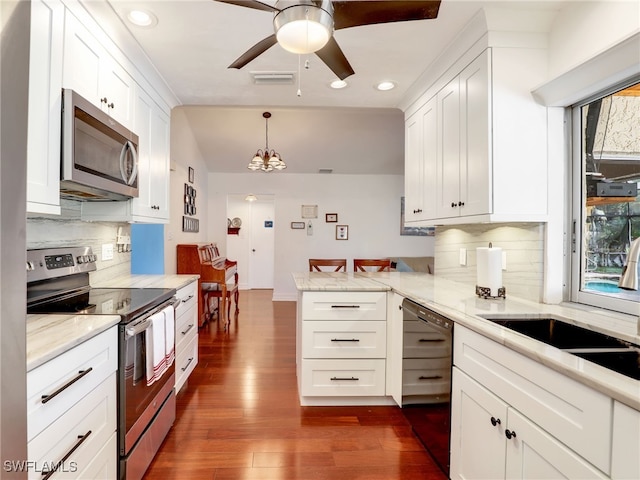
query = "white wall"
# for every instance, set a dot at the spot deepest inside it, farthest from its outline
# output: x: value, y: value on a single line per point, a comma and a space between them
x: 184, y: 154
x: 369, y: 204
x: 584, y: 29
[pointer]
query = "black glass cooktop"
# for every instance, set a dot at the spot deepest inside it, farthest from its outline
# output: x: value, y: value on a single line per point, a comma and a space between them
x: 129, y: 303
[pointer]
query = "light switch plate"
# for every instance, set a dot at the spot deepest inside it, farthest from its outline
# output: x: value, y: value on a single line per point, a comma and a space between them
x: 463, y: 256
x: 107, y: 251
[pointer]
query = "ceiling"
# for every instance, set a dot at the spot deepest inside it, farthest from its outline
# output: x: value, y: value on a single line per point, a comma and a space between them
x: 355, y: 130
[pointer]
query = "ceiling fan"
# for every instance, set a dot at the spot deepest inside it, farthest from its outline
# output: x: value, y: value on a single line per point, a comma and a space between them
x: 306, y: 26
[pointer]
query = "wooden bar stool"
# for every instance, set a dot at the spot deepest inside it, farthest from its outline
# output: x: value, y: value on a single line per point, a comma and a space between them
x: 339, y: 264
x: 378, y: 264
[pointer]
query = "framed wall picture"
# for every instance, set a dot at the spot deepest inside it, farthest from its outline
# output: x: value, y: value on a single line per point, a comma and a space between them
x: 309, y: 211
x: 331, y: 217
x: 342, y: 232
x: 298, y: 225
x: 191, y: 175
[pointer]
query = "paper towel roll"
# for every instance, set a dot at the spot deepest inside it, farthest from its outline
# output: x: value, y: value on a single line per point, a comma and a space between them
x: 489, y: 268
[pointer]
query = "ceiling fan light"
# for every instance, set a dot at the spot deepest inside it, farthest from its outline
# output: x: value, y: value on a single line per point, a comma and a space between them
x: 303, y: 28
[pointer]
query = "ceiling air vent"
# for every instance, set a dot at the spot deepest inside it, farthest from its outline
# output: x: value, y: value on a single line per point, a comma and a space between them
x: 272, y: 78
x: 325, y: 170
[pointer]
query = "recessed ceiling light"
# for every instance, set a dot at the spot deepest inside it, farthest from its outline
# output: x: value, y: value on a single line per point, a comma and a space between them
x: 142, y: 18
x: 384, y: 86
x: 338, y: 84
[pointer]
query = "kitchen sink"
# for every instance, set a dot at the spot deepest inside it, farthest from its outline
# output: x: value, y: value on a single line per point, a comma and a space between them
x: 604, y: 350
x: 558, y: 333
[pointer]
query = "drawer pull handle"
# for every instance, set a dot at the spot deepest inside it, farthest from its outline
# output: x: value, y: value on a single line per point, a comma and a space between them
x: 351, y: 379
x: 345, y: 339
x: 81, y: 439
x: 185, y: 300
x: 431, y: 340
x: 345, y: 306
x: 510, y: 434
x: 495, y: 421
x: 188, y: 328
x: 81, y: 373
x: 187, y: 365
x: 433, y: 377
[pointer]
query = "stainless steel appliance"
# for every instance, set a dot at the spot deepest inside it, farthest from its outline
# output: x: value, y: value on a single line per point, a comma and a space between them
x: 58, y: 282
x: 426, y: 381
x: 99, y: 155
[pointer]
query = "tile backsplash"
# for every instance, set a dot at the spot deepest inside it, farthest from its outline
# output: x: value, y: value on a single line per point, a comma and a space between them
x: 523, y: 244
x: 49, y: 231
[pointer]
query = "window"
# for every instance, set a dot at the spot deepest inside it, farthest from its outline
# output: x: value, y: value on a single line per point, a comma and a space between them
x: 606, y: 185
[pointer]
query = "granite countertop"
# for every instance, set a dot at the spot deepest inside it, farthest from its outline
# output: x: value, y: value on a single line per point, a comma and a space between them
x: 459, y: 302
x: 147, y: 281
x: 50, y: 335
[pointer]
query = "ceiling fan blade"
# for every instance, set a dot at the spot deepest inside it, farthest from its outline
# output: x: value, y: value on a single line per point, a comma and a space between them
x: 331, y: 54
x: 354, y: 13
x: 251, y: 4
x: 258, y: 49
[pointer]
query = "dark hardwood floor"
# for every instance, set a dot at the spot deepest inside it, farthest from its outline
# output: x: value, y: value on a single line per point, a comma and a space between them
x: 239, y: 416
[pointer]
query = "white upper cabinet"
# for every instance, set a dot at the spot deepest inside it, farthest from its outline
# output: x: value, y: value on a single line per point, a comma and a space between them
x: 490, y: 142
x: 45, y: 104
x: 90, y: 70
x: 420, y: 163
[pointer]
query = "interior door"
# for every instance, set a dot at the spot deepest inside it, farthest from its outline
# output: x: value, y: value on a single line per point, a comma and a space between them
x: 261, y: 260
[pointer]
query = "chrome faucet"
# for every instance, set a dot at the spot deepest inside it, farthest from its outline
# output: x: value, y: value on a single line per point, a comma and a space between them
x: 629, y: 277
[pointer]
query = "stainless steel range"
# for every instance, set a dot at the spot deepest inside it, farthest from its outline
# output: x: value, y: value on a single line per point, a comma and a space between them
x: 58, y: 282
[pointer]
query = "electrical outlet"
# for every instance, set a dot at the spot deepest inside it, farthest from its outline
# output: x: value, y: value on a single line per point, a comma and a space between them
x: 107, y: 251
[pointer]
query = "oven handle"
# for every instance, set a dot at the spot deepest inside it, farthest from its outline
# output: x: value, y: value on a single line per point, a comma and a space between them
x: 138, y: 328
x: 142, y: 325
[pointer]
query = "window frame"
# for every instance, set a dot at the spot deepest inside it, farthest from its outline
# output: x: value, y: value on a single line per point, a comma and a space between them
x: 578, y: 212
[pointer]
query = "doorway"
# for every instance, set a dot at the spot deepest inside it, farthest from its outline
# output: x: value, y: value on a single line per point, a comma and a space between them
x: 253, y: 245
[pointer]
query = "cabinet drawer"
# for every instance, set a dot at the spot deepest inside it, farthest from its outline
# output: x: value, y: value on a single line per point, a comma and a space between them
x: 186, y: 361
x: 186, y: 326
x: 188, y: 297
x: 96, y: 358
x: 344, y: 306
x: 428, y: 376
x: 345, y: 339
x: 88, y: 425
x: 419, y: 340
x: 575, y: 414
x: 104, y: 465
x: 343, y: 377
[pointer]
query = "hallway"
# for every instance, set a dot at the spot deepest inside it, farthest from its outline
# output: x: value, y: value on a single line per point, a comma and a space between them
x: 239, y: 416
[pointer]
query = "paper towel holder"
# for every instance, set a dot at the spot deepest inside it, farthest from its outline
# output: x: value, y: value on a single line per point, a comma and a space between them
x: 485, y: 292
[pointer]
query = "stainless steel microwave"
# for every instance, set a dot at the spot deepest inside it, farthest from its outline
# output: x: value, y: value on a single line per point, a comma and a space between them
x: 99, y: 155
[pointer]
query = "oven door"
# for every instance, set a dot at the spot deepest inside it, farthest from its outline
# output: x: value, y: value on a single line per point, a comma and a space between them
x: 138, y: 401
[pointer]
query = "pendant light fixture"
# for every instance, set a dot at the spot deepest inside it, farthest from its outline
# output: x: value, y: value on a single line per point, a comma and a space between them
x: 266, y: 160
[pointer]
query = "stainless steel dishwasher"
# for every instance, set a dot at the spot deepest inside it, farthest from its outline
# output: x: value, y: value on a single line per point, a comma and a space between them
x: 426, y: 378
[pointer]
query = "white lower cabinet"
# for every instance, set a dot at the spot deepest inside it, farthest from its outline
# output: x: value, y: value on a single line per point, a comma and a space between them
x: 71, y: 412
x: 491, y: 440
x: 186, y: 333
x: 625, y: 457
x: 341, y: 347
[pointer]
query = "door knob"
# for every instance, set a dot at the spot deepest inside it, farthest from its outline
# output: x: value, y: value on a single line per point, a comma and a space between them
x: 253, y: 249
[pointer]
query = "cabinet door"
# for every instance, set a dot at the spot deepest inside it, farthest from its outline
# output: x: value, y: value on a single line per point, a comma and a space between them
x: 429, y: 159
x: 413, y: 168
x: 45, y: 105
x: 534, y: 454
x: 152, y: 126
x: 475, y: 138
x: 448, y: 160
x: 477, y: 445
x: 117, y: 87
x: 82, y: 56
x: 394, y: 347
